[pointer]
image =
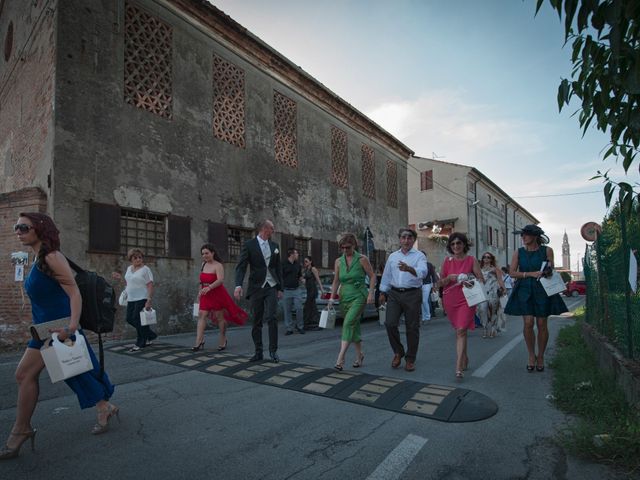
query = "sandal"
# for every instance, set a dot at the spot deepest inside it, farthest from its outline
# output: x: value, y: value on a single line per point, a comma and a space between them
x: 531, y: 367
x: 339, y: 365
x: 359, y: 361
x: 459, y: 374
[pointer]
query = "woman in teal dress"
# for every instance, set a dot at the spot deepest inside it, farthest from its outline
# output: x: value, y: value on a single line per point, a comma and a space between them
x: 350, y: 272
x: 528, y: 297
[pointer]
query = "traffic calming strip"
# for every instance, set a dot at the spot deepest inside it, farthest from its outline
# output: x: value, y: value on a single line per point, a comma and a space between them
x: 438, y: 402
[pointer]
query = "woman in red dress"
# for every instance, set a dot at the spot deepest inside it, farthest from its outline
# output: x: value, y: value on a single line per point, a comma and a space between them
x: 214, y: 300
x: 456, y: 269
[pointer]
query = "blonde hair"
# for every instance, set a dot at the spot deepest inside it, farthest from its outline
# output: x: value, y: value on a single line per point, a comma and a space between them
x: 134, y: 251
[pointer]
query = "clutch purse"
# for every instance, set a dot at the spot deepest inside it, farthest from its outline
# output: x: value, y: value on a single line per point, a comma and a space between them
x: 41, y: 331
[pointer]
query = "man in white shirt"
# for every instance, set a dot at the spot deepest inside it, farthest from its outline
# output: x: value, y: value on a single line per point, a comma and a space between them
x: 401, y: 291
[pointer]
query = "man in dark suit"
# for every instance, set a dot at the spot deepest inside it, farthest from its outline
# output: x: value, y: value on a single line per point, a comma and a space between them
x: 264, y: 288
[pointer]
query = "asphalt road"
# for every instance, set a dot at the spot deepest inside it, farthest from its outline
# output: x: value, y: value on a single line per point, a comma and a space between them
x: 179, y: 423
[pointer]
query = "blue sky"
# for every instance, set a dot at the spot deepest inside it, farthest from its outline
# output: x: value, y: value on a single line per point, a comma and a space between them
x: 473, y: 82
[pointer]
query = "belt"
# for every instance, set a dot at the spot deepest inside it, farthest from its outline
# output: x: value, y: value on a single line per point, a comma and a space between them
x: 410, y: 289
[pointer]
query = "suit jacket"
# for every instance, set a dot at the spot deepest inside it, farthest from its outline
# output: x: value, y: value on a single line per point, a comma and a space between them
x: 251, y: 255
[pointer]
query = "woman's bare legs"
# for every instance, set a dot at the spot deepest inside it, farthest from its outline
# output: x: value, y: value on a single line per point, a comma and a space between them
x: 461, y: 349
x: 529, y: 338
x: 222, y: 325
x: 543, y: 338
x: 344, y: 345
x: 27, y: 376
x: 202, y: 324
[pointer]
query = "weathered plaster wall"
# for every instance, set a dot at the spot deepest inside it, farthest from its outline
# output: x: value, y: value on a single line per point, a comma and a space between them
x: 111, y: 152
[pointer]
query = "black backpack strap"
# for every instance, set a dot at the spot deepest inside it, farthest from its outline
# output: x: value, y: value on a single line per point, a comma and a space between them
x: 101, y: 355
x: 73, y: 265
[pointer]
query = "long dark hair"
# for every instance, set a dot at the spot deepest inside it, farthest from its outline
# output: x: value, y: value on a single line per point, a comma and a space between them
x: 212, y: 249
x: 49, y: 236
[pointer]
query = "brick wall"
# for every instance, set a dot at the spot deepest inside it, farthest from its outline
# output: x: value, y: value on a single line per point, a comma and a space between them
x: 26, y: 94
x: 15, y: 310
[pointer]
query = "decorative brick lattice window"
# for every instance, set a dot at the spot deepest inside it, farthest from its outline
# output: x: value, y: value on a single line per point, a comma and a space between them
x: 228, y: 102
x: 339, y: 161
x: 148, y: 73
x: 392, y: 184
x: 285, y: 139
x: 368, y: 172
x: 143, y: 230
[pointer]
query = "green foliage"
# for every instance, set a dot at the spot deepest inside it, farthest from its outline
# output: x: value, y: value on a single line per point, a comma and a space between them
x: 599, y: 406
x: 566, y: 276
x: 605, y: 37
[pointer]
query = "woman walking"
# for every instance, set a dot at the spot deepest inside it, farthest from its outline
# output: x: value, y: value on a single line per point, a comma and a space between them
x: 139, y: 287
x: 350, y: 272
x: 214, y: 299
x: 493, y: 288
x: 458, y: 269
x: 54, y: 295
x: 312, y: 284
x: 528, y: 297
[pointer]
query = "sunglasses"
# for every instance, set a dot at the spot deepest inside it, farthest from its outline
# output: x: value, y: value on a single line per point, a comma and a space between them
x: 487, y: 256
x: 345, y: 247
x: 22, y: 227
x: 456, y: 243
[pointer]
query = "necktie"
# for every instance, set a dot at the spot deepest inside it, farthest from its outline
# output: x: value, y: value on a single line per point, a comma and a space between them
x: 266, y: 252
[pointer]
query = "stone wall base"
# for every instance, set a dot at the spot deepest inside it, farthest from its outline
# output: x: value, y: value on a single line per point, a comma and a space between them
x: 625, y: 371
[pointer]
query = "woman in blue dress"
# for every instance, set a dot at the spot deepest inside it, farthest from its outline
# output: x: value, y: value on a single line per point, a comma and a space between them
x: 528, y: 297
x: 54, y: 294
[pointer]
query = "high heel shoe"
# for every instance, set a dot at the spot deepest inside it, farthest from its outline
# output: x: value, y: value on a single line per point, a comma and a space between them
x: 110, y: 411
x: 8, y: 452
x: 200, y: 346
x: 359, y: 361
x: 531, y: 367
x: 222, y: 347
x: 339, y: 366
x: 459, y: 374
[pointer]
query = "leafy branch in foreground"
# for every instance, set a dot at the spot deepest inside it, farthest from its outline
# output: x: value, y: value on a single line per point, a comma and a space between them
x: 605, y: 36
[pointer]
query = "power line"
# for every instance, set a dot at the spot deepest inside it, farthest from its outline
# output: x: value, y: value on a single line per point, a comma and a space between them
x: 561, y: 194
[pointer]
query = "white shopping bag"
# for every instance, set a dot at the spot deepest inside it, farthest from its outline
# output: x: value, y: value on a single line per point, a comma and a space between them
x: 148, y: 317
x: 123, y: 299
x: 382, y: 315
x: 474, y: 294
x: 196, y: 309
x: 66, y: 361
x: 328, y: 318
x: 435, y: 296
x: 553, y: 285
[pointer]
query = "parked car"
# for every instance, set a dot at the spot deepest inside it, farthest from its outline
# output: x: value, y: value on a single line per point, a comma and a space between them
x: 370, y: 310
x: 575, y: 288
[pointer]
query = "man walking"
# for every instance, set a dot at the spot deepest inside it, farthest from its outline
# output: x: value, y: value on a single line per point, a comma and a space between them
x: 401, y: 290
x: 264, y: 288
x: 291, y: 275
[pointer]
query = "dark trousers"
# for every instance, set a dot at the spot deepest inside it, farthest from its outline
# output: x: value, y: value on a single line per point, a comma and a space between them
x: 144, y: 332
x: 409, y: 303
x: 264, y: 303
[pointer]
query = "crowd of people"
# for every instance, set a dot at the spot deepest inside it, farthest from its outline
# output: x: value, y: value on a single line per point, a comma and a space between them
x: 409, y: 288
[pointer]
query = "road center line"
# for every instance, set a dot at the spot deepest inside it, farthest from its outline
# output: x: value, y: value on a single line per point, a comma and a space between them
x: 399, y: 459
x: 496, y: 357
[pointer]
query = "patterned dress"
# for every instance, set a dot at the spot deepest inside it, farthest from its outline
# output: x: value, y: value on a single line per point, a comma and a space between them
x: 353, y: 296
x: 488, y: 311
x: 528, y: 296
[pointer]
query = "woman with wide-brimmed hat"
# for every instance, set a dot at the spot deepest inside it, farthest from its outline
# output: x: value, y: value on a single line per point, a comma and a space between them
x: 528, y: 297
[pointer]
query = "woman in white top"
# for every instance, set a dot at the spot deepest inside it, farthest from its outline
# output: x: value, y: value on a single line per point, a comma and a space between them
x: 139, y: 286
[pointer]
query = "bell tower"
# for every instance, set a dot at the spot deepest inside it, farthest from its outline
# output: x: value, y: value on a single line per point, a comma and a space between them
x: 566, y: 255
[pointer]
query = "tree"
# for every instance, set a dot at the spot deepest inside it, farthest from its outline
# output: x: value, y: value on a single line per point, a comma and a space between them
x: 605, y: 37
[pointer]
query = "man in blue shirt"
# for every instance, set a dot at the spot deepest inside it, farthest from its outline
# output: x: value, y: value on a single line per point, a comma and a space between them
x: 401, y: 291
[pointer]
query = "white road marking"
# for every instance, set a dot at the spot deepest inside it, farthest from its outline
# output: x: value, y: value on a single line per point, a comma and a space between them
x: 496, y: 357
x: 399, y: 459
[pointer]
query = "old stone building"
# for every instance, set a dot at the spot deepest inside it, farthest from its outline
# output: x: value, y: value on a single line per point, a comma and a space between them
x: 164, y: 124
x: 456, y: 197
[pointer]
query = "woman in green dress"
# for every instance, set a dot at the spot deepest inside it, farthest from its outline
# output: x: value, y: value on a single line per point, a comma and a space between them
x: 350, y: 272
x: 528, y: 298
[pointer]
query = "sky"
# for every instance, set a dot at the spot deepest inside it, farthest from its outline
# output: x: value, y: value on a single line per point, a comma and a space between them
x: 463, y: 81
